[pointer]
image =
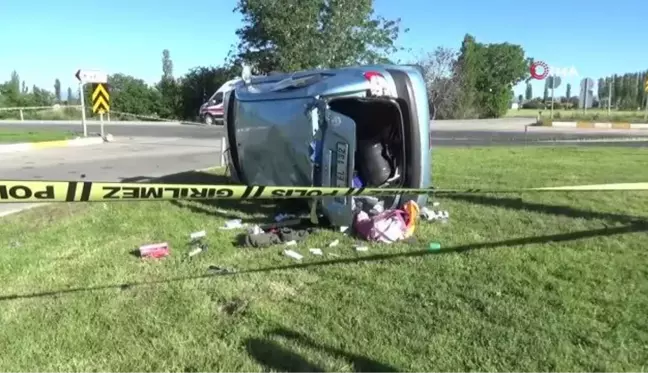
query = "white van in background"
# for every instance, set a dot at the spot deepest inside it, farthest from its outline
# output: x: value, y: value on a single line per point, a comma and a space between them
x: 212, y: 111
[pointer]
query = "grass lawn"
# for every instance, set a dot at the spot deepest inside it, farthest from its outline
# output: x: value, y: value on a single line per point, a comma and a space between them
x: 590, y: 114
x: 8, y: 136
x: 533, y: 282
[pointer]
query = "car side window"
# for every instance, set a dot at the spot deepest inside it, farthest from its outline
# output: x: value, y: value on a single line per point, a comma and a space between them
x: 218, y: 99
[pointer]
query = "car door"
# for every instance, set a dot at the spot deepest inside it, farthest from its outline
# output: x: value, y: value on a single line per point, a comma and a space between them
x: 337, y: 157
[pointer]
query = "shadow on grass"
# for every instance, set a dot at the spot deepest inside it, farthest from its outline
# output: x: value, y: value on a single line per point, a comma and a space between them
x: 519, y: 204
x: 563, y: 237
x: 224, y: 208
x: 275, y: 357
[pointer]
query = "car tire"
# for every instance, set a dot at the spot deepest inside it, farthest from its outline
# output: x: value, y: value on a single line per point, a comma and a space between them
x: 208, y: 120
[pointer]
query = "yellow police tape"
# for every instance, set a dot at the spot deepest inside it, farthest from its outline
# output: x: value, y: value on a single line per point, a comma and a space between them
x: 87, y: 191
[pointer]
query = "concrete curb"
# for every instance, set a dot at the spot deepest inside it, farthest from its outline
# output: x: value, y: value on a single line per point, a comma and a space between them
x: 27, y: 146
x: 600, y: 125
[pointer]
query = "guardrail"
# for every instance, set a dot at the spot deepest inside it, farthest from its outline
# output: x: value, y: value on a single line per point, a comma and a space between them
x: 22, y: 109
x: 152, y: 118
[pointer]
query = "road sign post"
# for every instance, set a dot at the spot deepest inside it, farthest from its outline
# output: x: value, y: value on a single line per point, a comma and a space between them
x: 586, y: 96
x: 88, y: 76
x: 101, y: 124
x: 83, y: 110
x: 101, y: 102
x: 646, y: 94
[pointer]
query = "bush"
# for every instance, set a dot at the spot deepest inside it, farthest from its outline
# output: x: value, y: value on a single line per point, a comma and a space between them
x: 533, y: 105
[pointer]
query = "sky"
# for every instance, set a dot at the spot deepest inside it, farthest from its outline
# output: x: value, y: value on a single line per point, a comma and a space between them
x: 44, y: 40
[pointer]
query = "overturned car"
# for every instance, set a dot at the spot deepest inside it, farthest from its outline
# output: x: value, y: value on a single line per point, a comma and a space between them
x: 363, y: 126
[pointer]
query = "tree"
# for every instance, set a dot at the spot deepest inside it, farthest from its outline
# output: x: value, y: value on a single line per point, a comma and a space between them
x: 488, y: 73
x: 200, y: 83
x: 41, y: 97
x: 601, y: 88
x: 528, y: 93
x: 290, y: 35
x: 168, y: 88
x: 167, y: 65
x: 442, y: 84
x: 131, y: 95
x: 57, y: 90
x: 520, y: 100
x: 466, y: 70
x: 14, y: 82
x: 70, y: 98
x: 503, y: 65
x: 568, y: 91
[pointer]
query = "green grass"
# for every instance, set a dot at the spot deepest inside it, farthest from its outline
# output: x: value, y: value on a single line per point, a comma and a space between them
x: 536, y: 282
x: 64, y: 113
x: 589, y: 115
x: 8, y: 136
x: 71, y: 114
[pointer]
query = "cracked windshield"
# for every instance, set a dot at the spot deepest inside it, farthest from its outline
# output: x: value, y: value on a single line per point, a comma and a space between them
x: 323, y: 185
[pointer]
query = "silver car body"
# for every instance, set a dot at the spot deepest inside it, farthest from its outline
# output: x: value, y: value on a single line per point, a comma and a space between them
x: 303, y: 128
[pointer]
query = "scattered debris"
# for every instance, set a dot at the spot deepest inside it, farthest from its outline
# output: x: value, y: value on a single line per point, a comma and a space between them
x: 261, y: 240
x: 334, y: 243
x: 293, y: 254
x: 156, y: 250
x: 216, y: 270
x: 343, y: 229
x: 288, y: 234
x: 195, y: 236
x: 316, y: 251
x: 377, y: 208
x: 233, y: 224
x: 281, y: 217
x: 434, y: 246
x: 255, y: 230
x: 361, y: 248
x: 431, y: 215
x: 389, y: 226
x: 290, y: 243
x: 412, y: 211
x: 435, y: 204
x: 196, y: 241
x: 198, y: 249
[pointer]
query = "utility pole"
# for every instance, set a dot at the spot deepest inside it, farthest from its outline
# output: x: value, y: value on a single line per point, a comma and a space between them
x: 553, y: 85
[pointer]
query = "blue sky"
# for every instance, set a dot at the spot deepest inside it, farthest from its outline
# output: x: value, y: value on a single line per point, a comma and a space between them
x: 44, y: 40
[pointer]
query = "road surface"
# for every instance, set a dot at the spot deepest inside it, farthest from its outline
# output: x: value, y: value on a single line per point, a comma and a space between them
x: 507, y: 131
x: 127, y: 160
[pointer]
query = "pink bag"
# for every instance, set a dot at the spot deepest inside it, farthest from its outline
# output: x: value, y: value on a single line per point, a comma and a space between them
x: 388, y: 226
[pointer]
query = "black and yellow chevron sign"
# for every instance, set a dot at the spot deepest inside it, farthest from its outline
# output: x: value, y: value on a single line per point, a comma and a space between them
x: 100, y: 99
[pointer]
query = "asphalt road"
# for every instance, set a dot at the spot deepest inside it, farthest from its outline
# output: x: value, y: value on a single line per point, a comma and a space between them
x: 503, y: 132
x: 126, y: 160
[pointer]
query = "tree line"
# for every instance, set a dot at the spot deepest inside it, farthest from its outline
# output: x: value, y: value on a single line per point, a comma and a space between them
x: 622, y: 92
x: 474, y: 80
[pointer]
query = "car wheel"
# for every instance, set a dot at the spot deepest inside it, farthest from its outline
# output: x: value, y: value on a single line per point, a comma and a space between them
x: 209, y: 120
